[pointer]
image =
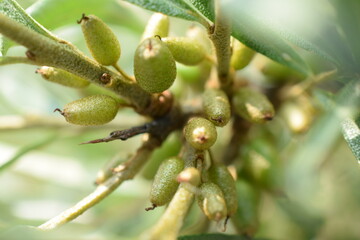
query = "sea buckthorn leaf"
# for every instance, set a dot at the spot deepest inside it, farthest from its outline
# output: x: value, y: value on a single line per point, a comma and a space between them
x: 206, y: 7
x: 351, y: 134
x: 13, y: 10
x: 174, y: 8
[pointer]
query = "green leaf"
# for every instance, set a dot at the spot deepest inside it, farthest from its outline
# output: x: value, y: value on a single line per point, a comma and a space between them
x: 261, y: 37
x: 216, y: 236
x: 174, y: 8
x: 351, y: 134
x: 13, y: 10
x: 206, y: 7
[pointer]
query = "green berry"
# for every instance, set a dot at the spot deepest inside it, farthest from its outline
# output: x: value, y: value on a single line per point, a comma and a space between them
x: 185, y: 50
x: 220, y: 175
x: 200, y: 133
x: 91, y: 111
x: 216, y: 107
x: 158, y: 25
x: 253, y: 106
x: 154, y: 66
x: 199, y: 34
x: 211, y: 201
x: 165, y: 183
x: 100, y: 39
x: 241, y: 56
x: 62, y: 77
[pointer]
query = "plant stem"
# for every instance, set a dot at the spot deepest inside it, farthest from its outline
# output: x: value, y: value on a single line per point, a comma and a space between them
x: 61, y: 54
x: 125, y: 172
x: 171, y: 221
x: 13, y: 60
x: 220, y: 36
x: 123, y: 73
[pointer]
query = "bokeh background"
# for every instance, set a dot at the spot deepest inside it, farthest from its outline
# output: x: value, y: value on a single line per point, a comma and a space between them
x: 44, y: 170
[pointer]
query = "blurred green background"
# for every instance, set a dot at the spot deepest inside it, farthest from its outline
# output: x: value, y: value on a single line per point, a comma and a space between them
x: 50, y: 171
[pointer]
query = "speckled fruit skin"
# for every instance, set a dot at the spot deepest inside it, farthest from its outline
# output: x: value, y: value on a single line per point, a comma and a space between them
x: 62, y: 77
x: 154, y: 66
x: 220, y: 175
x: 187, y: 51
x: 253, y: 106
x: 216, y: 106
x: 211, y: 201
x: 101, y: 41
x: 242, y: 55
x: 200, y: 133
x: 158, y: 25
x: 165, y: 184
x: 91, y: 111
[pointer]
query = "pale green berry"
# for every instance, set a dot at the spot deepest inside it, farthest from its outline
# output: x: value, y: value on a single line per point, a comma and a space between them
x: 91, y: 111
x: 101, y: 40
x: 241, y: 55
x: 158, y: 25
x: 220, y: 175
x: 165, y: 183
x: 211, y: 201
x: 253, y: 105
x: 200, y: 133
x: 154, y: 66
x: 216, y: 106
x: 199, y: 34
x: 185, y: 50
x: 62, y: 77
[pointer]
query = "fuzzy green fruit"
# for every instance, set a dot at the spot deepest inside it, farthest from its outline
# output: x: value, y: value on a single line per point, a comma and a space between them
x: 200, y: 133
x: 253, y: 106
x: 154, y: 66
x: 220, y: 175
x: 165, y: 183
x: 100, y: 39
x: 62, y: 77
x: 241, y: 56
x: 91, y: 111
x: 211, y: 201
x: 185, y: 50
x: 216, y: 106
x: 158, y: 25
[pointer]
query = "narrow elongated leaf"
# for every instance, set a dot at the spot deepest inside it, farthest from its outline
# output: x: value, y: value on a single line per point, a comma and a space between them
x: 206, y: 7
x: 13, y: 10
x: 351, y: 134
x: 174, y: 8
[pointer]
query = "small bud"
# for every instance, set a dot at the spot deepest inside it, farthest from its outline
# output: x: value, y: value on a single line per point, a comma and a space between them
x: 158, y: 25
x: 190, y: 175
x: 220, y: 175
x: 62, y: 77
x: 211, y: 201
x: 108, y: 169
x: 200, y: 133
x: 90, y: 111
x: 165, y: 183
x: 154, y: 66
x: 253, y: 105
x: 100, y: 39
x: 241, y: 56
x: 185, y: 50
x: 216, y: 107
